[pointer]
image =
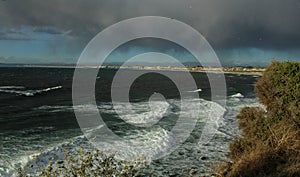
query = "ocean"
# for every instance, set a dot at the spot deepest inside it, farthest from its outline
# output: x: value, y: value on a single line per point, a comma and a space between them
x: 37, y: 117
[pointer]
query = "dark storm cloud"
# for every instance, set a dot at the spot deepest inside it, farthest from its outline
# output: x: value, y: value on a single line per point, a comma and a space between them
x: 226, y: 24
x: 48, y: 30
x: 13, y: 35
x: 19, y: 38
x: 2, y: 58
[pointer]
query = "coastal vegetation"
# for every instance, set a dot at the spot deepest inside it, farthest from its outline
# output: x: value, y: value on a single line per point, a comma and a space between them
x: 83, y: 162
x: 270, y: 140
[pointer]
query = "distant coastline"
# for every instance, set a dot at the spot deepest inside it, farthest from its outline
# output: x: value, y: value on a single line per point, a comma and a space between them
x: 231, y: 70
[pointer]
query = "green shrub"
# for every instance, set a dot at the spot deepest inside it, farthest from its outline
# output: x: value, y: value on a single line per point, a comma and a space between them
x: 279, y: 90
x: 81, y: 163
x: 270, y: 141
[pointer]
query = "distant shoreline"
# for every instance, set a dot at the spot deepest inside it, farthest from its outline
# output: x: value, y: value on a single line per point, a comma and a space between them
x: 228, y: 70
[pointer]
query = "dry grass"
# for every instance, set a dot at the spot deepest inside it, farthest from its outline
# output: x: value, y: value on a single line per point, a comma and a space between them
x: 270, y: 142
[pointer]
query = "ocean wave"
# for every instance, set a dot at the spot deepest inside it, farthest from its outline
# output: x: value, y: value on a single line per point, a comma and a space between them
x: 256, y: 76
x: 48, y: 89
x: 149, y: 143
x: 37, y: 130
x: 237, y: 95
x: 21, y: 147
x: 12, y: 87
x: 55, y: 108
x: 20, y: 90
x: 198, y: 90
x: 33, y: 163
x: 103, y: 107
x: 141, y: 114
x: 158, y: 141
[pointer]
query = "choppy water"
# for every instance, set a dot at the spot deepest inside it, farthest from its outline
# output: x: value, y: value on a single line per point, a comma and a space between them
x: 37, y: 116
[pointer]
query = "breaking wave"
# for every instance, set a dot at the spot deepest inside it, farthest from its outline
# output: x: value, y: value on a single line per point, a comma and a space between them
x: 198, y: 90
x: 238, y: 95
x: 20, y: 90
x: 150, y: 143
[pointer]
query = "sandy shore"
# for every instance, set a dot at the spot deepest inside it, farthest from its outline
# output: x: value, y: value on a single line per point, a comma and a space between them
x: 230, y: 70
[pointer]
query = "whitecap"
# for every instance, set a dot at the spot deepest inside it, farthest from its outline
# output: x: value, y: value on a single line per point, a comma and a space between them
x: 20, y: 90
x: 12, y: 87
x: 198, y: 90
x: 238, y: 95
x: 48, y: 89
x: 256, y: 76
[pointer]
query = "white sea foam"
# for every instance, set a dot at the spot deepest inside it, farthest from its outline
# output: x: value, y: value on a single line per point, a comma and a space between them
x: 54, y: 108
x: 143, y: 113
x: 37, y: 130
x: 149, y: 144
x: 198, y: 90
x: 256, y: 76
x: 40, y: 160
x: 237, y: 95
x: 48, y: 89
x: 20, y: 90
x: 12, y: 87
x: 156, y: 141
x: 104, y: 107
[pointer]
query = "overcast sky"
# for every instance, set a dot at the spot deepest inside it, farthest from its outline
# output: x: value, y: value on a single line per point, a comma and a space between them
x: 242, y: 32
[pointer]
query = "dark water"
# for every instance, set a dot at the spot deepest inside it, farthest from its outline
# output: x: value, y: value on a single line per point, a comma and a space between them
x: 36, y: 105
x: 16, y: 109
